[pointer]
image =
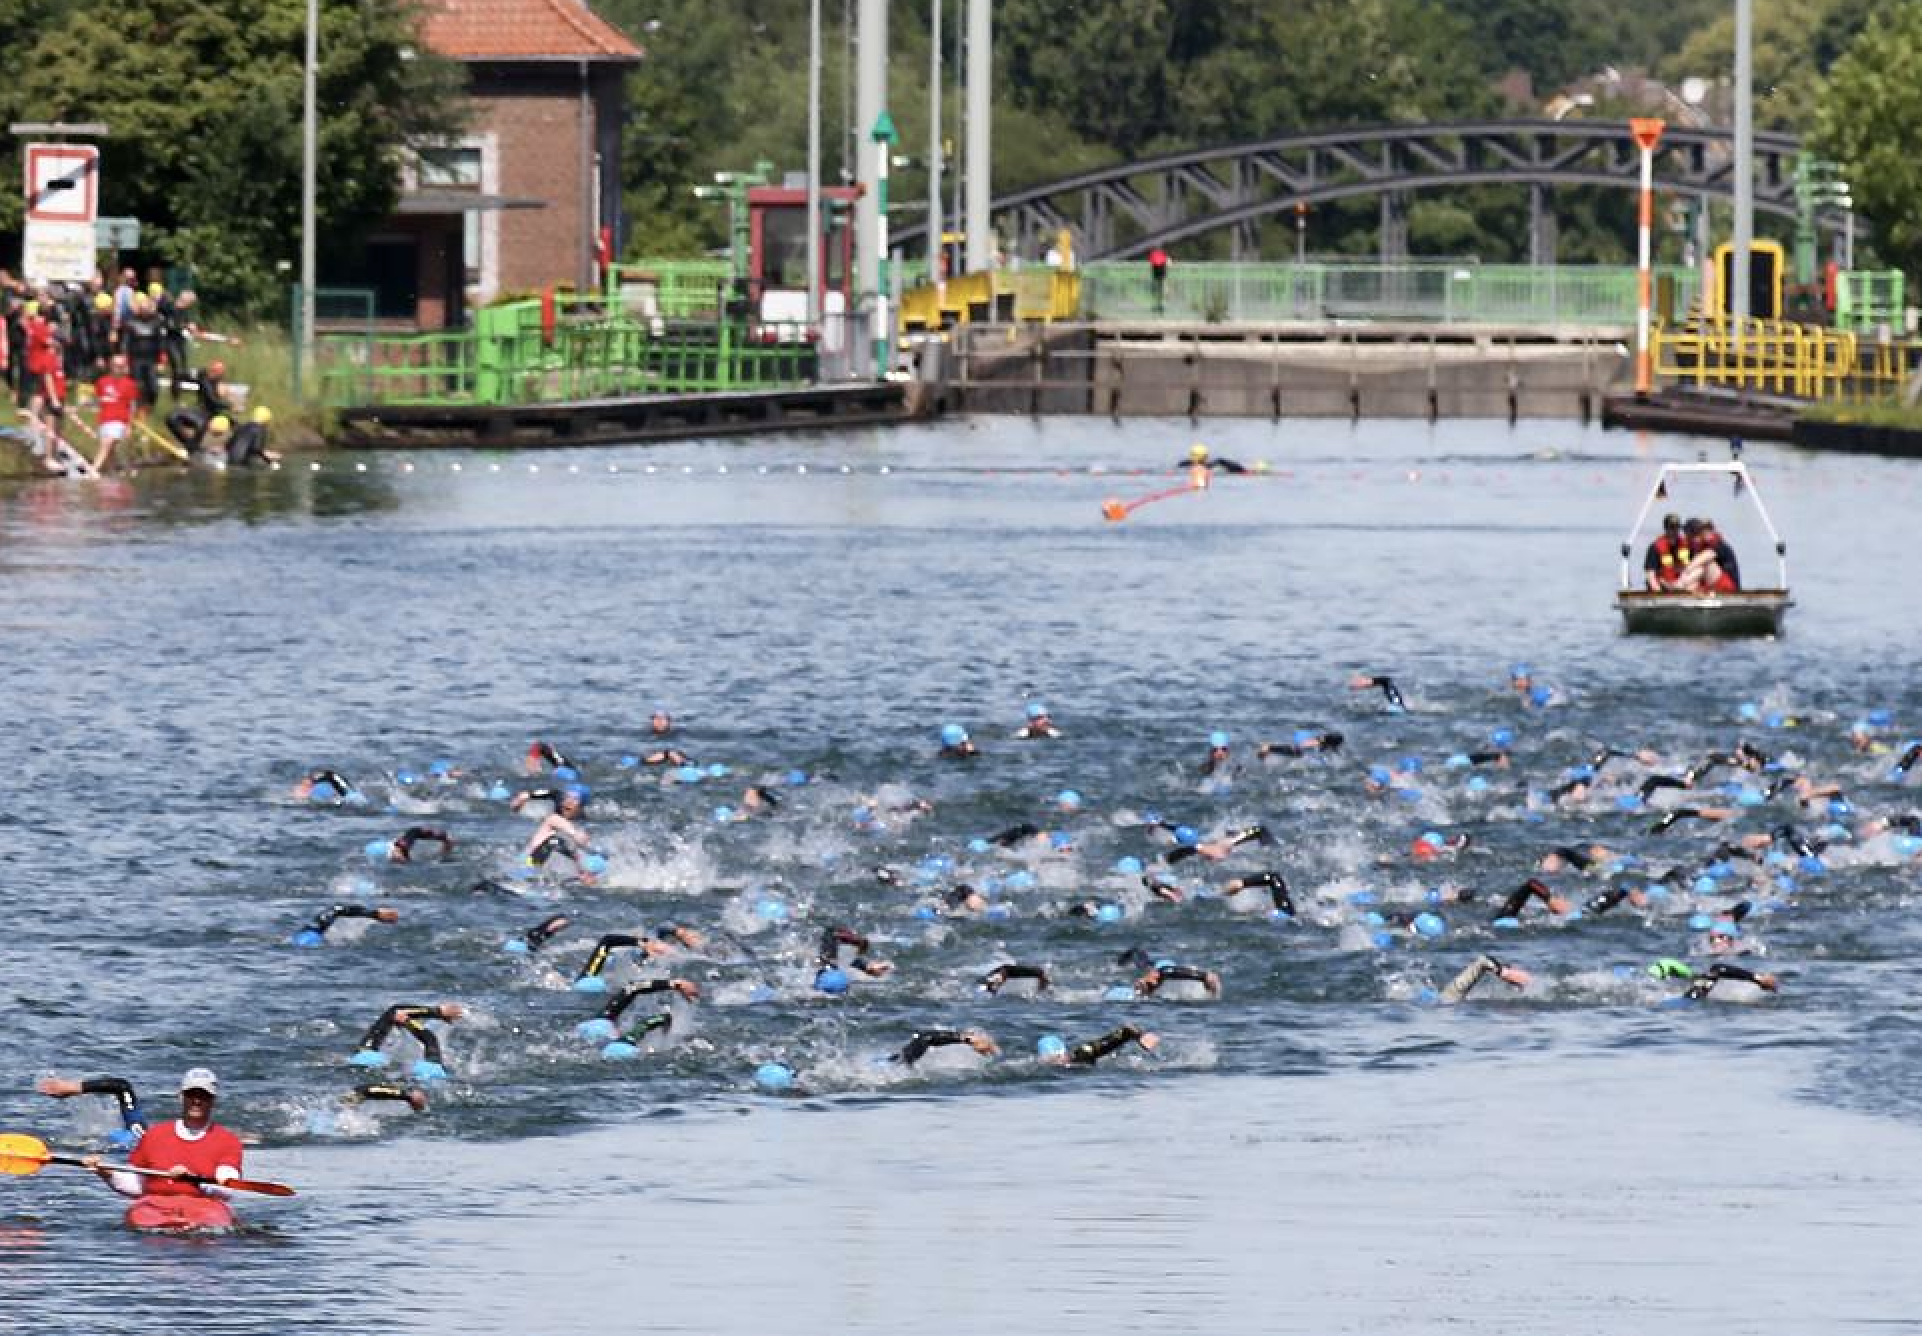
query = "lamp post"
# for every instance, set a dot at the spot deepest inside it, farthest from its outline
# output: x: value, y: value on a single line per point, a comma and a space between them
x: 1648, y: 133
x: 937, y: 243
x: 309, y: 165
x: 884, y: 141
x: 814, y: 170
x: 1744, y: 163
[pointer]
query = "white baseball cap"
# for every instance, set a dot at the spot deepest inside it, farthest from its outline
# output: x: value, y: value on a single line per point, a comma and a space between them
x: 200, y: 1079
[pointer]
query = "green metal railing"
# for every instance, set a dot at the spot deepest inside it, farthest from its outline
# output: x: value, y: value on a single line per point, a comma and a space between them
x: 1443, y: 292
x: 1870, y: 301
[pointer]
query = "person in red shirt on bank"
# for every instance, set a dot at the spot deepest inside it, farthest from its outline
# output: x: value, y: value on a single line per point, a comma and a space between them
x: 114, y: 397
x: 193, y: 1146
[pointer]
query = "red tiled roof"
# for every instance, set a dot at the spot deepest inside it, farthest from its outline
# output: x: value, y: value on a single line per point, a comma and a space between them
x: 522, y: 30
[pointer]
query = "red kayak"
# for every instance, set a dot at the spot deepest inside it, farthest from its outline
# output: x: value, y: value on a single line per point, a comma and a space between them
x: 180, y: 1213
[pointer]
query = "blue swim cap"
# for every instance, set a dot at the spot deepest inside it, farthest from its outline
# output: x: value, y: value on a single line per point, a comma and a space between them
x: 1705, y: 886
x: 1457, y: 760
x: 1506, y: 923
x: 1433, y: 895
x: 1383, y: 940
x: 440, y: 769
x: 1067, y: 798
x: 1584, y: 773
x: 771, y: 909
x: 1426, y: 996
x: 590, y: 983
x: 1304, y: 736
x: 306, y: 937
x: 1774, y: 719
x: 627, y: 761
x: 579, y: 791
x: 716, y: 771
x: 723, y: 813
x: 1363, y: 897
x: 598, y: 1027
x: 619, y: 1051
x: 1036, y: 710
x: 497, y: 792
x: 323, y: 792
x: 925, y: 913
x: 1700, y: 922
x: 774, y: 1076
x: 796, y: 777
x: 1430, y: 925
x: 1411, y: 764
x: 1908, y: 845
x: 1746, y: 710
x: 404, y: 776
x: 515, y: 946
x: 1501, y: 737
x: 594, y: 863
x: 1217, y: 739
x: 689, y: 774
x: 1380, y: 775
x: 1433, y: 837
x: 998, y: 912
x: 977, y: 845
x: 1373, y: 918
x: 378, y: 851
x: 953, y: 735
x: 1748, y: 797
x: 368, y: 1057
x: 831, y: 981
x: 1186, y: 835
x: 354, y: 798
x: 1539, y: 695
x: 1118, y: 992
x: 1060, y: 839
x: 1050, y: 1046
x: 1476, y: 784
x: 1020, y: 880
x: 1128, y: 865
x: 1841, y: 807
x: 1811, y: 866
x: 566, y: 772
x: 1108, y: 913
x: 1518, y: 671
x: 1628, y: 802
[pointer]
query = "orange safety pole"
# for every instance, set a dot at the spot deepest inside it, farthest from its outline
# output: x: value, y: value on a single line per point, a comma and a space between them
x: 1648, y: 133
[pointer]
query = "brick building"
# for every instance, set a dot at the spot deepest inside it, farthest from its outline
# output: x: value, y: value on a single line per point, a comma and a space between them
x: 520, y: 202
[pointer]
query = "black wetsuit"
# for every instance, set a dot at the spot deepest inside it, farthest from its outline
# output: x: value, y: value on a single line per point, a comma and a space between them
x: 917, y: 1047
x: 556, y: 843
x: 1908, y: 760
x: 1152, y: 982
x: 1705, y: 981
x: 1259, y: 834
x: 1519, y: 897
x: 404, y: 846
x: 325, y: 919
x: 124, y: 1098
x: 605, y: 949
x: 334, y: 779
x: 1015, y: 834
x: 1273, y: 883
x: 411, y: 1017
x: 537, y: 936
x: 624, y: 999
x: 376, y: 1091
x: 141, y: 337
x: 543, y: 751
x: 1089, y: 1052
x: 248, y: 443
x: 1390, y: 692
x: 997, y: 978
x: 827, y: 951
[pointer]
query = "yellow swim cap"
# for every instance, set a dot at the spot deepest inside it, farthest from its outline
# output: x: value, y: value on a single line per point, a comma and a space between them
x: 155, y: 291
x: 1197, y: 451
x: 102, y: 301
x: 219, y: 423
x: 263, y: 415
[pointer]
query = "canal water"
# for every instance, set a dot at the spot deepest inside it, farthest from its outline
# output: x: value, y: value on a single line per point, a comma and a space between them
x: 1318, y: 1149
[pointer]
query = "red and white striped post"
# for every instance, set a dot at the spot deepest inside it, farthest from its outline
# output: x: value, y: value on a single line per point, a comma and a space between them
x: 1648, y: 133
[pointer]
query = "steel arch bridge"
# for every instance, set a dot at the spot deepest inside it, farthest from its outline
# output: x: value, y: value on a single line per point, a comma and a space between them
x: 1123, y: 212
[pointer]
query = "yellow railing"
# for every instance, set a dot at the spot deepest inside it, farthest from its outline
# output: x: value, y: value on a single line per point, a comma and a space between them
x: 1778, y: 357
x: 997, y: 295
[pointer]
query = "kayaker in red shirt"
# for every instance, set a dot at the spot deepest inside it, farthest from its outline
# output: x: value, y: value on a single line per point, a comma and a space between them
x: 192, y: 1146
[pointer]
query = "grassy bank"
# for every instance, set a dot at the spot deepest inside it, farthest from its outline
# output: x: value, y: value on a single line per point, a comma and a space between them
x: 264, y: 362
x: 1868, y: 413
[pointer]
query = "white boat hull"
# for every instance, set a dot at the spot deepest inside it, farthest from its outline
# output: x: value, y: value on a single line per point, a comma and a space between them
x: 1752, y: 612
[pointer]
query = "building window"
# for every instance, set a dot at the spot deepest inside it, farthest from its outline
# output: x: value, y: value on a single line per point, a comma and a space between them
x: 450, y: 168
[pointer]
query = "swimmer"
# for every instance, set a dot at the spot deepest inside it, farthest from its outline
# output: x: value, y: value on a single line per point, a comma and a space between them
x: 1458, y: 988
x: 618, y: 1004
x: 544, y: 754
x: 1039, y: 724
x: 1669, y: 818
x: 1019, y: 833
x: 338, y: 785
x: 1603, y: 901
x: 1581, y: 859
x: 1705, y: 982
x: 412, y: 1018
x: 1199, y: 458
x: 1216, y: 850
x: 961, y: 900
x: 667, y: 756
x: 1531, y: 889
x: 827, y: 952
x: 538, y: 936
x: 326, y: 919
x: 553, y: 825
x: 1324, y: 740
x: 1910, y: 756
x: 760, y: 798
x: 922, y: 1041
x: 956, y: 745
x: 1001, y: 976
x: 376, y: 1092
x: 133, y: 1122
x: 1431, y: 845
x: 1271, y: 882
x: 1090, y: 1051
x: 1164, y: 972
x: 667, y: 940
x: 1161, y: 888
x: 1217, y: 759
x: 569, y: 800
x: 402, y: 849
x: 1389, y: 691
x: 660, y: 723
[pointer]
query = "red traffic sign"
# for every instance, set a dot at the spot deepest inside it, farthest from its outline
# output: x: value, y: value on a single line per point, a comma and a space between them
x: 1647, y: 131
x: 63, y: 183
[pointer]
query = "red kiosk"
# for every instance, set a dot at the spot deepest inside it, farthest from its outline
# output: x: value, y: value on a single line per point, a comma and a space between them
x: 777, y: 257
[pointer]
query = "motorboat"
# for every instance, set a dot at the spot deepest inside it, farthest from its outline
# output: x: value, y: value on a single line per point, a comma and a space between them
x: 1743, y: 612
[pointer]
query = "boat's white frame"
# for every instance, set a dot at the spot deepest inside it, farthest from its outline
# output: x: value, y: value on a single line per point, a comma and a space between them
x: 1732, y: 468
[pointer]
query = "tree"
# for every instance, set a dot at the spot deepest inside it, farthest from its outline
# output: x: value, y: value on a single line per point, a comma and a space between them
x: 203, y: 103
x: 1796, y: 42
x: 1870, y: 121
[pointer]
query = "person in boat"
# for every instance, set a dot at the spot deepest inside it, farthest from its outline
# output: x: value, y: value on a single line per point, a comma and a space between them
x: 1053, y: 1049
x: 1482, y: 967
x: 920, y: 1044
x: 191, y: 1146
x: 133, y: 1121
x: 1705, y: 572
x: 1667, y: 556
